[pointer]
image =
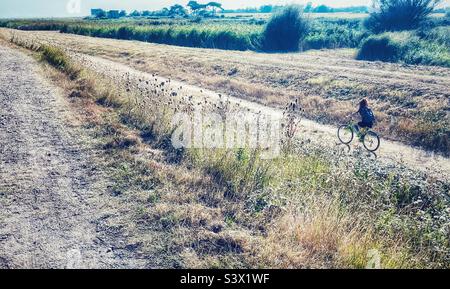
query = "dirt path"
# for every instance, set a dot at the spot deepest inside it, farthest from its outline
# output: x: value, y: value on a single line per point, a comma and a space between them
x: 50, y: 191
x: 390, y: 153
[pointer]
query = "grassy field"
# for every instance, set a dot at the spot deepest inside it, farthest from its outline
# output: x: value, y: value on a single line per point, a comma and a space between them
x: 229, y: 33
x: 308, y: 208
x: 410, y: 101
x: 427, y: 46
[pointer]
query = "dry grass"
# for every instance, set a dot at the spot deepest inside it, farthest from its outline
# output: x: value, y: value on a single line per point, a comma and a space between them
x: 229, y: 209
x: 329, y: 83
x: 326, y: 238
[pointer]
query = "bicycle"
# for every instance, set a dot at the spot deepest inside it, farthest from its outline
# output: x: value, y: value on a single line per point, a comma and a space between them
x: 369, y: 138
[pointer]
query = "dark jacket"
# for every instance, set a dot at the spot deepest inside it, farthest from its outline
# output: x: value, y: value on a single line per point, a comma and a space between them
x: 366, y: 115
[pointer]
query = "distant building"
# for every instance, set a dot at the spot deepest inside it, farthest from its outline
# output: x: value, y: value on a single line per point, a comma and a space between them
x: 98, y: 13
x: 113, y: 14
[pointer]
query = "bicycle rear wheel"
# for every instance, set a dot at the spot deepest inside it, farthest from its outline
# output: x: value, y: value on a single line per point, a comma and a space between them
x: 345, y: 134
x: 371, y: 141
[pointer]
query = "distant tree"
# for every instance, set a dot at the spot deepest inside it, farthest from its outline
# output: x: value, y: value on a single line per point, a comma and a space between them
x: 203, y: 13
x: 113, y: 14
x: 308, y: 7
x: 322, y: 9
x: 164, y: 12
x: 214, y: 6
x: 135, y: 13
x: 204, y: 10
x: 266, y: 9
x: 395, y: 15
x: 123, y: 13
x: 286, y: 30
x: 98, y: 13
x: 195, y: 6
x: 146, y: 13
x: 177, y: 10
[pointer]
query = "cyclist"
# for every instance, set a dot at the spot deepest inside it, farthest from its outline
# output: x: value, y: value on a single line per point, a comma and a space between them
x: 367, y: 117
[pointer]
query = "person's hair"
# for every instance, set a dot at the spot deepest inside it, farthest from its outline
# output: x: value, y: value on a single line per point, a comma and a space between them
x: 363, y: 103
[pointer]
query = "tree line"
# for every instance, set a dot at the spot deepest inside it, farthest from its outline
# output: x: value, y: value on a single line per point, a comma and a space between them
x: 193, y: 8
x: 210, y: 9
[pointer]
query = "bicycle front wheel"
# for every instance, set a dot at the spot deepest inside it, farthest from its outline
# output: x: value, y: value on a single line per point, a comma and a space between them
x: 345, y: 134
x: 371, y: 141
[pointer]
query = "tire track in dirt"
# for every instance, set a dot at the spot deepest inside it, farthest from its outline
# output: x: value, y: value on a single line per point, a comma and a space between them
x: 50, y: 190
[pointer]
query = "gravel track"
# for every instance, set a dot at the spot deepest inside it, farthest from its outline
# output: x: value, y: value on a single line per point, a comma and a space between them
x: 50, y: 191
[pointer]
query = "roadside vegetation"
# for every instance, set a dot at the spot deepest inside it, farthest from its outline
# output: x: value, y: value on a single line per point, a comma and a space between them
x: 399, y: 15
x: 310, y: 207
x: 286, y: 30
x: 380, y: 37
x: 424, y: 47
x: 220, y: 36
x: 289, y: 29
x: 411, y: 107
x: 224, y: 34
x: 405, y: 33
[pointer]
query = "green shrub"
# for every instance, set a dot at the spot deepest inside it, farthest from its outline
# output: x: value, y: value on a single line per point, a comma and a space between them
x: 396, y: 15
x: 242, y: 171
x: 417, y: 51
x: 381, y: 48
x: 286, y: 30
x: 407, y: 47
x: 31, y: 24
x: 232, y: 37
x: 243, y: 35
x: 332, y: 33
x: 58, y: 59
x: 439, y: 35
x: 54, y: 56
x: 125, y: 32
x: 315, y: 34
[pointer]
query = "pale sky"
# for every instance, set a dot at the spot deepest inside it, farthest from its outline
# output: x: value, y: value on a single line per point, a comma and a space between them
x: 60, y: 8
